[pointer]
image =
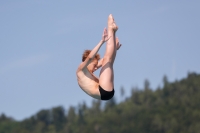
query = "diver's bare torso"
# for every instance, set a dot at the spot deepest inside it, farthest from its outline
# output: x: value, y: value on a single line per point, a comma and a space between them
x: 88, y: 82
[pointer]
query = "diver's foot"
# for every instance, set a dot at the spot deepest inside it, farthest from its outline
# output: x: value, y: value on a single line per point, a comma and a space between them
x: 111, y: 23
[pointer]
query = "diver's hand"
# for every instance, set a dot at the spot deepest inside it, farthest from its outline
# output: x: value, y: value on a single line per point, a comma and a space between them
x: 105, y: 37
x: 118, y: 45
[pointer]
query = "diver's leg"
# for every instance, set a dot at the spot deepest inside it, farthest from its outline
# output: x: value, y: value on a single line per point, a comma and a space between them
x: 117, y: 45
x: 106, y: 78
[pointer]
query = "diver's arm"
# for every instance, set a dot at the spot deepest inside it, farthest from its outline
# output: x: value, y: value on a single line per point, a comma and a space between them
x: 92, y: 54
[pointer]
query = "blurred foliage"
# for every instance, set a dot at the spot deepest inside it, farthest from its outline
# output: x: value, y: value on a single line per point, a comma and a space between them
x: 174, y: 108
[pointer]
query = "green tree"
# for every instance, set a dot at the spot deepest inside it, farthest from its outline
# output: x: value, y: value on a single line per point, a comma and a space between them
x: 173, y: 108
x: 71, y: 116
x: 122, y: 92
x: 44, y: 116
x: 58, y: 117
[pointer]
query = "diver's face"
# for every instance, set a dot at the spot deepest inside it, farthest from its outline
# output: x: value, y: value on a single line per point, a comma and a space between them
x: 93, y: 66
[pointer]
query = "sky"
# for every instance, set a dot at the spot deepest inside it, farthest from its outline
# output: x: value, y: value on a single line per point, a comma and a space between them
x: 41, y: 45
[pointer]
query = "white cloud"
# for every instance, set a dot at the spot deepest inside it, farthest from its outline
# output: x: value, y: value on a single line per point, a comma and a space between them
x: 24, y: 62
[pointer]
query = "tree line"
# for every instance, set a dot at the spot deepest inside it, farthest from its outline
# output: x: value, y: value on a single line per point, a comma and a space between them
x: 173, y: 108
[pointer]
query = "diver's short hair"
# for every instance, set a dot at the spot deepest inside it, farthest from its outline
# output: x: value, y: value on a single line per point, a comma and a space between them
x: 86, y: 53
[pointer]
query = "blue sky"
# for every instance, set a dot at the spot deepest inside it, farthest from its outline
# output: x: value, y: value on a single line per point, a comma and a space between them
x: 41, y: 44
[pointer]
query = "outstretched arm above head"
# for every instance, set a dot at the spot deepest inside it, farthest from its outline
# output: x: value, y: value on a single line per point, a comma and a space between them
x: 95, y: 49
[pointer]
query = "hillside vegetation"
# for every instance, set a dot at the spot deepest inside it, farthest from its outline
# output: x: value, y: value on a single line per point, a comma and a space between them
x: 174, y: 108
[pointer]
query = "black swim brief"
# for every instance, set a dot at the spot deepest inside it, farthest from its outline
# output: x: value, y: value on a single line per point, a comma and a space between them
x: 106, y: 95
